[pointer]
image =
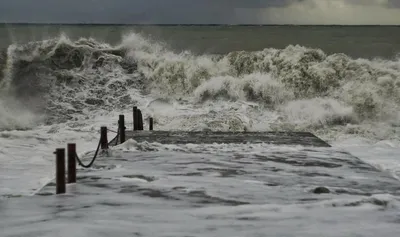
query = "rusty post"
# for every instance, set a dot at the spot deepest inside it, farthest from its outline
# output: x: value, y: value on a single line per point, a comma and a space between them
x: 103, y: 138
x: 71, y: 148
x: 135, y: 118
x: 121, y: 127
x: 60, y: 170
x: 151, y: 123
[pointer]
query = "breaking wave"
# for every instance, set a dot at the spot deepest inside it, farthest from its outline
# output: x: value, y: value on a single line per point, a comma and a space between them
x: 299, y: 88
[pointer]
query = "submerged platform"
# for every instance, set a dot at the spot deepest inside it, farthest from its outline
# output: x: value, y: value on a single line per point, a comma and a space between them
x: 142, y: 192
x: 209, y: 137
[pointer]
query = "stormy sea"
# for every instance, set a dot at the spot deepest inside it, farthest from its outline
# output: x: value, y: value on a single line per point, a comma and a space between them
x: 60, y: 83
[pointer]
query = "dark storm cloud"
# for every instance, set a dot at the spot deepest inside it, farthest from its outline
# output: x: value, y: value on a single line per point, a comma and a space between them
x: 162, y: 11
x: 394, y: 3
x: 127, y: 11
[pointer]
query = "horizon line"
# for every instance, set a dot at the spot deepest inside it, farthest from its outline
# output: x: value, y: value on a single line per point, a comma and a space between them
x: 185, y: 24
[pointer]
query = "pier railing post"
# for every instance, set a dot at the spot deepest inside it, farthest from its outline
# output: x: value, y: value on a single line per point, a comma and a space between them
x: 140, y: 119
x: 60, y: 171
x: 121, y: 127
x: 103, y: 138
x: 71, y: 149
x: 151, y: 123
x: 135, y: 118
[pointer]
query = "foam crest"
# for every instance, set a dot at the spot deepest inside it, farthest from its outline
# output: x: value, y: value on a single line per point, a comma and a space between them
x: 319, y: 112
x: 63, y: 78
x: 253, y: 87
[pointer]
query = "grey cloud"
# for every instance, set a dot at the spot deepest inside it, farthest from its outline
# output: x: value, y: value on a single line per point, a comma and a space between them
x: 344, y: 12
x: 150, y: 11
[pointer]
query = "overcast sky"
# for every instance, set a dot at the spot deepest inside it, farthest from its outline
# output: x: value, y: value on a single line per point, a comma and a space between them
x: 202, y: 11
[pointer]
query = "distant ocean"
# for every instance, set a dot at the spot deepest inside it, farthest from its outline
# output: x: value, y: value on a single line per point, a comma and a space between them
x: 354, y: 41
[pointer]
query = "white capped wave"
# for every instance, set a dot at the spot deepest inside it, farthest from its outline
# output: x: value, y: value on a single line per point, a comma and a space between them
x: 302, y: 88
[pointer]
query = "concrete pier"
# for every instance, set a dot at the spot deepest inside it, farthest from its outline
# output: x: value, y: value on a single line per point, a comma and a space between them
x: 208, y: 137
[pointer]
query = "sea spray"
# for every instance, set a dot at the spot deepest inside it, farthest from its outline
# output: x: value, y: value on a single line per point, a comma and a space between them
x: 301, y: 88
x: 13, y: 115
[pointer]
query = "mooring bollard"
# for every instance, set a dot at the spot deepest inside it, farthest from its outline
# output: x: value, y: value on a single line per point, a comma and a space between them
x: 60, y: 170
x: 121, y: 127
x: 103, y: 138
x: 140, y: 119
x: 151, y: 123
x: 135, y: 118
x: 71, y: 149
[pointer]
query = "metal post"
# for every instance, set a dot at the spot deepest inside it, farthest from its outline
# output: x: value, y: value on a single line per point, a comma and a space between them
x: 71, y: 148
x: 151, y: 123
x: 60, y: 171
x: 103, y: 138
x: 135, y: 118
x: 121, y: 127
